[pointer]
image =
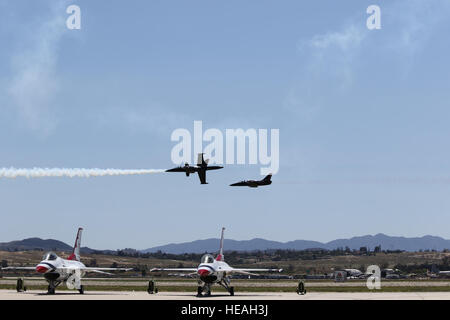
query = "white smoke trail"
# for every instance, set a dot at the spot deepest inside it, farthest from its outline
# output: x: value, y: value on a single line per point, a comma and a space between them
x: 72, y: 172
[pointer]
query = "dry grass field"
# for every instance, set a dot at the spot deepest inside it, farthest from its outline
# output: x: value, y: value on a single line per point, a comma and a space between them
x: 311, y: 266
x: 136, y: 281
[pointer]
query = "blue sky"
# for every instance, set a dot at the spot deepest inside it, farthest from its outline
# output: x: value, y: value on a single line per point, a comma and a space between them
x: 363, y: 118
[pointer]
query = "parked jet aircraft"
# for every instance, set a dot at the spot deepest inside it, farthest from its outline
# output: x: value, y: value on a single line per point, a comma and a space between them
x: 254, y: 184
x: 211, y: 271
x: 70, y: 270
x: 201, y: 168
x: 354, y: 273
x: 436, y: 272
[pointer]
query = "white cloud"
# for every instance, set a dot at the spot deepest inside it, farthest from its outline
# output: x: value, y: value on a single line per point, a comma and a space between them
x: 335, y: 61
x: 349, y: 38
x: 410, y: 25
x: 327, y: 65
x: 34, y: 79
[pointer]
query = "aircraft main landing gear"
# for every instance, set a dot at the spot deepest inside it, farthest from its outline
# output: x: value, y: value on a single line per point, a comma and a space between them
x: 52, y: 284
x: 226, y: 284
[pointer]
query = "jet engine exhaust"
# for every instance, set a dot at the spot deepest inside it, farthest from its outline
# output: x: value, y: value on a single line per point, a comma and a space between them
x: 72, y: 172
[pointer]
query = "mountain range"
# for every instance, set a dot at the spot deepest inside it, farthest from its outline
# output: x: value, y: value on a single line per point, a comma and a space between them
x: 212, y: 244
x: 386, y: 243
x: 40, y: 244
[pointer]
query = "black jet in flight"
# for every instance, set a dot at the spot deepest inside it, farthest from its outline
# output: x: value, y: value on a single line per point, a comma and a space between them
x: 254, y: 184
x: 201, y: 168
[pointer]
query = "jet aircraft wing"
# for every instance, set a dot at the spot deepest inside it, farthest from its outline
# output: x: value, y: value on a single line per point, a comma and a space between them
x: 174, y: 269
x: 105, y: 269
x: 202, y: 176
x: 102, y: 272
x: 177, y: 169
x: 248, y: 271
x: 18, y: 268
x: 240, y: 184
x: 93, y: 269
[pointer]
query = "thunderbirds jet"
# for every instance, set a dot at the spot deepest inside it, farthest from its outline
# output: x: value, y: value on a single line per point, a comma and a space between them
x: 254, y: 184
x: 70, y: 270
x: 211, y: 271
x: 201, y: 168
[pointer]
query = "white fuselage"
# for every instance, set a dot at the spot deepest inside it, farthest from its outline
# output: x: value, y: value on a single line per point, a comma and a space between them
x: 212, y: 272
x: 60, y: 269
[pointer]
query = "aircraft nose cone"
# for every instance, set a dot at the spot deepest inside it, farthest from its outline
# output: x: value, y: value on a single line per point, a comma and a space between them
x: 41, y: 269
x: 203, y: 272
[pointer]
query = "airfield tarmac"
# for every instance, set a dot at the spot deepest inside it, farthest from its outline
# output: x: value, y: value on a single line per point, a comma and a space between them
x: 127, y: 295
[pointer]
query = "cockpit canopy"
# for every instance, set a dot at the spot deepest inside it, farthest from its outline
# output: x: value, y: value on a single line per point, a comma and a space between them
x: 207, y: 258
x: 49, y: 256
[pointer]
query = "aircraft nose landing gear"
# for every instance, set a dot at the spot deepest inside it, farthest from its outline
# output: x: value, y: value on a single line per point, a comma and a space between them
x: 206, y: 288
x: 50, y: 290
x: 52, y: 284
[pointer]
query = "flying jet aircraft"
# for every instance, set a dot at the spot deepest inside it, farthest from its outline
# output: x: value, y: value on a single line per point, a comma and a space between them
x: 254, y: 184
x: 70, y: 270
x: 211, y: 271
x: 201, y: 168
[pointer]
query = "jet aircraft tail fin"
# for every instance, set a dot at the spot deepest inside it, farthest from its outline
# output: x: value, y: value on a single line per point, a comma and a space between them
x: 76, y: 248
x: 220, y: 256
x: 201, y: 161
x: 268, y: 178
